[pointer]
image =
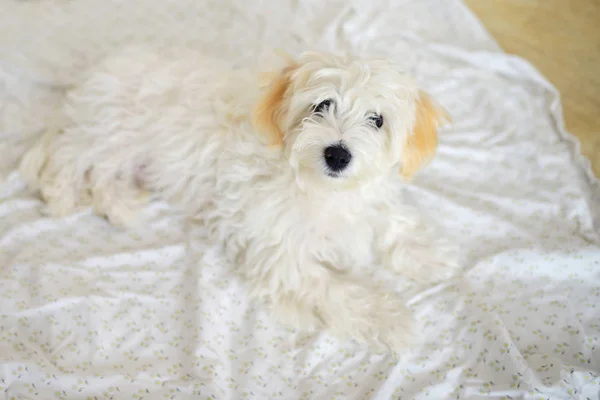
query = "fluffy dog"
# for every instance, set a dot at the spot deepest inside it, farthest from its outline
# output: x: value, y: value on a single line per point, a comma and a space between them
x: 300, y: 178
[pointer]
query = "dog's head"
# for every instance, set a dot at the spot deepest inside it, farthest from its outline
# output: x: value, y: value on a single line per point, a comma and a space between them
x: 343, y: 121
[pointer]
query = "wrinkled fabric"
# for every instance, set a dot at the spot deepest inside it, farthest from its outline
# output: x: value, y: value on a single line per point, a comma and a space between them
x: 91, y: 311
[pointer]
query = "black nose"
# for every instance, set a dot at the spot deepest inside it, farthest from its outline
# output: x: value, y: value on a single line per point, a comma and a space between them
x: 337, y: 157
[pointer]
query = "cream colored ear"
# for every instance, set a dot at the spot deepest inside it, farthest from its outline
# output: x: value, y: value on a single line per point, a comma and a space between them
x: 421, y: 145
x: 270, y: 107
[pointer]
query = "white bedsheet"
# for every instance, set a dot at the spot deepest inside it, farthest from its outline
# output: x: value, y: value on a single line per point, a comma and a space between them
x: 87, y: 311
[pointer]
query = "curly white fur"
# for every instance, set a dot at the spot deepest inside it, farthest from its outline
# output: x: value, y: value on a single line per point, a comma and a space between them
x: 248, y: 161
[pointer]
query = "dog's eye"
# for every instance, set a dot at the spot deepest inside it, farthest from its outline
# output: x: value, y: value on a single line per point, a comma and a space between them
x: 376, y: 120
x: 322, y: 106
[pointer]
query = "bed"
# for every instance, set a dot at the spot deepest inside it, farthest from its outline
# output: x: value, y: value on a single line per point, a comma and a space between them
x: 88, y: 311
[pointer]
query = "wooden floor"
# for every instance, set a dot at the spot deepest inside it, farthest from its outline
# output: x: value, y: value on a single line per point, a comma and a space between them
x: 562, y: 39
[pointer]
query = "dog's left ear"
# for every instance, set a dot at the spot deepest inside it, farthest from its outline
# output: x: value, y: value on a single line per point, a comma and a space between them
x: 421, y: 144
x: 270, y: 110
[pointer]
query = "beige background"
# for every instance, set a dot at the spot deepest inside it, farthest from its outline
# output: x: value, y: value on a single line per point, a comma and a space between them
x: 562, y: 39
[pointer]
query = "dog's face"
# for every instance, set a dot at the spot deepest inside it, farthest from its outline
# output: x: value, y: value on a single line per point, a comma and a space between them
x: 343, y: 122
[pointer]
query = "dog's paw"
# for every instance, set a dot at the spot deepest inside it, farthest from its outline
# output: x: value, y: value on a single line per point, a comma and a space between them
x: 426, y: 265
x: 59, y: 200
x: 439, y: 264
x: 395, y: 326
x: 296, y: 316
x: 119, y: 216
x: 371, y: 316
x: 120, y: 205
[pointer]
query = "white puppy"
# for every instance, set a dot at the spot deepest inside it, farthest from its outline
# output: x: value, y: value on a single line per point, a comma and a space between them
x: 300, y: 179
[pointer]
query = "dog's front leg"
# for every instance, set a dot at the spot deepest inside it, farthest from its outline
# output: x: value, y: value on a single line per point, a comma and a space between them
x: 414, y: 248
x: 309, y: 295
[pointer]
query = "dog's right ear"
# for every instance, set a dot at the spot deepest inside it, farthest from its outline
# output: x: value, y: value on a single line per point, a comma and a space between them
x: 421, y: 144
x: 270, y: 108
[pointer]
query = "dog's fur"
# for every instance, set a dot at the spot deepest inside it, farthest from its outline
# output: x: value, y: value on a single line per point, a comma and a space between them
x: 248, y: 161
